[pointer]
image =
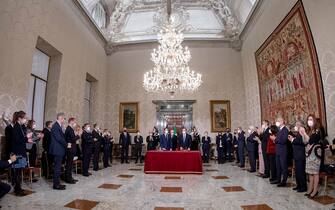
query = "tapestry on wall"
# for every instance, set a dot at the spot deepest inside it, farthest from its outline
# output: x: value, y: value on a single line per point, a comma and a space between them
x: 288, y: 71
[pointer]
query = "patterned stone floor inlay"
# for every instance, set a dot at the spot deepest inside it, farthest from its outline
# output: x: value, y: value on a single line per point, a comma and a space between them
x: 220, y: 177
x: 257, y: 207
x: 135, y: 169
x: 172, y: 177
x: 168, y: 208
x: 233, y: 189
x: 127, y: 176
x: 110, y: 186
x: 324, y: 199
x: 171, y: 189
x: 82, y: 204
x: 211, y: 170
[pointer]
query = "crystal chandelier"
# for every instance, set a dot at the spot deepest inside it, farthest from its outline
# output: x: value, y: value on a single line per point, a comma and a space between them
x: 171, y: 72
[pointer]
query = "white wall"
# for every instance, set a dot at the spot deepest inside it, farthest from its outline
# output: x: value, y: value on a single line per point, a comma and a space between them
x: 222, y: 79
x: 321, y: 18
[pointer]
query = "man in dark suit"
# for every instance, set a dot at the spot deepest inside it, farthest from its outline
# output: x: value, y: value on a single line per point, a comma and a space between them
x: 5, y: 188
x: 185, y: 140
x: 165, y: 141
x: 97, y: 138
x: 264, y: 139
x: 252, y: 148
x: 206, y: 146
x: 9, y: 133
x: 47, y: 159
x: 138, y: 140
x: 107, y: 143
x: 228, y: 139
x: 299, y: 156
x: 87, y: 144
x: 220, y: 148
x: 241, y: 146
x: 18, y: 147
x: 124, y: 141
x: 281, y: 153
x: 71, y: 139
x: 174, y: 140
x: 57, y: 148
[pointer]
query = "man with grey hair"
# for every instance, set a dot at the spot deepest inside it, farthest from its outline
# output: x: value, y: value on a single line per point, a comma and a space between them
x: 57, y: 149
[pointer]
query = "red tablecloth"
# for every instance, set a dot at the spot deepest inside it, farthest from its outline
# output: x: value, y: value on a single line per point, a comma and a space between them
x: 184, y: 162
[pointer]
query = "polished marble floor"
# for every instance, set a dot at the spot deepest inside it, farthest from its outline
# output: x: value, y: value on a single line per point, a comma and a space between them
x: 127, y: 187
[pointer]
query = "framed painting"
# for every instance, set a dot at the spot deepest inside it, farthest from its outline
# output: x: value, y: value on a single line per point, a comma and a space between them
x: 128, y: 116
x: 288, y: 70
x: 220, y: 115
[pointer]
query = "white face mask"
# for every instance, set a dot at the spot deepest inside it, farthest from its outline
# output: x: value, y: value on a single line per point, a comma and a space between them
x: 166, y: 132
x: 278, y: 124
x: 296, y: 128
x: 239, y: 131
x: 310, y: 123
x: 263, y: 126
x: 184, y: 132
x: 249, y: 131
x: 138, y: 134
x: 88, y: 129
x: 34, y: 126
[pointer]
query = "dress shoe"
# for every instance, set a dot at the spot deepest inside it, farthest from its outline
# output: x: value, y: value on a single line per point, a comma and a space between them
x: 274, y: 182
x: 76, y: 180
x: 301, y: 190
x: 70, y: 181
x: 89, y: 173
x: 296, y: 188
x: 313, y: 196
x: 34, y: 180
x: 282, y: 184
x: 251, y: 171
x: 307, y: 194
x: 127, y: 162
x: 20, y: 193
x: 265, y: 176
x: 59, y: 187
x: 86, y: 175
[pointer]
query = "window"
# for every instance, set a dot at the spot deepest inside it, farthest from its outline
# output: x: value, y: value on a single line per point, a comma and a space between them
x: 37, y: 87
x: 87, y: 102
x: 99, y: 15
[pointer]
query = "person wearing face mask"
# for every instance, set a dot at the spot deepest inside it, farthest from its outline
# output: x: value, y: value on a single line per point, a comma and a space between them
x: 18, y: 148
x: 185, y: 140
x: 71, y: 149
x: 150, y: 142
x: 124, y: 142
x: 174, y: 140
x: 156, y: 137
x: 46, y: 157
x: 87, y: 145
x: 220, y: 148
x: 206, y: 145
x: 107, y: 140
x: 228, y: 139
x: 195, y: 140
x: 252, y: 148
x: 241, y: 146
x: 313, y: 155
x: 9, y: 133
x: 271, y: 152
x: 299, y: 157
x: 235, y: 147
x: 32, y: 147
x: 281, y: 153
x: 97, y: 138
x: 138, y: 139
x: 57, y: 148
x: 165, y: 141
x: 264, y: 142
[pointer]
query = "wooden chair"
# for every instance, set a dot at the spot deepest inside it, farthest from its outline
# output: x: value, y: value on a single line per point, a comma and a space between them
x: 325, y: 176
x: 31, y: 170
x: 77, y: 163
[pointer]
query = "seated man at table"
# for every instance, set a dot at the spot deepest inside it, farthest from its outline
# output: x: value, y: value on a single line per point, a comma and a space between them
x: 165, y: 141
x: 185, y: 140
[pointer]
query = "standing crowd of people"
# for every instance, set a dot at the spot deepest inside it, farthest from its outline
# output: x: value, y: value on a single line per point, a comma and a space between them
x: 276, y: 147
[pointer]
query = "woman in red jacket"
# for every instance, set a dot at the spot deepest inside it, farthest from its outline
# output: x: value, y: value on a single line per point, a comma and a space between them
x: 271, y: 152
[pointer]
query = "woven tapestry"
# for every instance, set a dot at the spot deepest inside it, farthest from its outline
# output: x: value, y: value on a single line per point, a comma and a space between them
x: 288, y: 71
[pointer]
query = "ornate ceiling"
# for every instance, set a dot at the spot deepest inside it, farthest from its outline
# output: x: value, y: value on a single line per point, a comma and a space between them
x: 137, y: 21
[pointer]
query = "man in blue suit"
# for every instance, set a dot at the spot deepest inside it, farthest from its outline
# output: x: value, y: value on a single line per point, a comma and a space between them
x: 165, y: 141
x: 241, y: 146
x: 124, y: 141
x: 185, y: 140
x: 57, y: 148
x: 281, y: 153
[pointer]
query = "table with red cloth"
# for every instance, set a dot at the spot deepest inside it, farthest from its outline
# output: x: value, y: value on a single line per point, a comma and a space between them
x: 181, y: 162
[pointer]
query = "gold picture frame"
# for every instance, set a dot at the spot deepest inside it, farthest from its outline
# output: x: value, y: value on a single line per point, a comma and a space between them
x: 220, y: 115
x: 128, y: 116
